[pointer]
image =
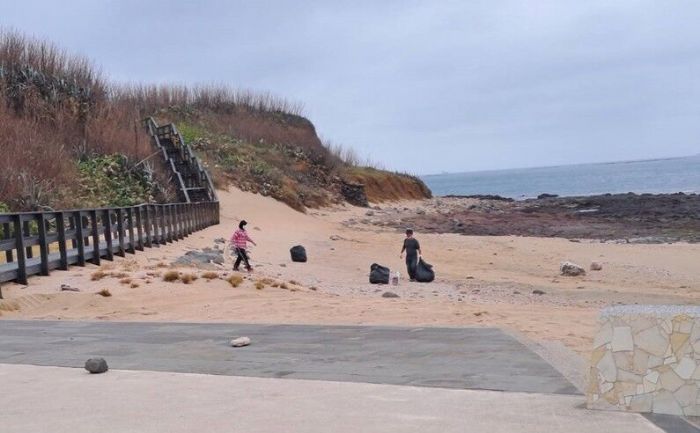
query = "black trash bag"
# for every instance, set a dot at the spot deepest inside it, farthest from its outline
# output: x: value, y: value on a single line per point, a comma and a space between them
x: 379, y: 274
x: 298, y: 254
x: 424, y: 272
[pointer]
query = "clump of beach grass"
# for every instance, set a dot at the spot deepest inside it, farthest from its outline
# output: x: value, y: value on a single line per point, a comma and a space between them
x: 235, y: 280
x: 171, y: 276
x: 104, y: 293
x: 98, y: 275
x: 188, y: 278
x: 210, y: 275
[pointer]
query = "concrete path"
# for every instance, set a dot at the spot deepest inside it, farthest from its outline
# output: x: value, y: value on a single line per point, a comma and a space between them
x: 461, y: 358
x: 64, y: 400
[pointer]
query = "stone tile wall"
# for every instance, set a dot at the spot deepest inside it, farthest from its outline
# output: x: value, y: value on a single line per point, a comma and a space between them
x: 645, y: 359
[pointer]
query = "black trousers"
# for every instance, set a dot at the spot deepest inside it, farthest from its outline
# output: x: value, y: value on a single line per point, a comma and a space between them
x: 242, y: 257
x: 411, y: 264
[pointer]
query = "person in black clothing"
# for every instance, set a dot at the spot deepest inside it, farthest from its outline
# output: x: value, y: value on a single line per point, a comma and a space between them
x: 412, y: 249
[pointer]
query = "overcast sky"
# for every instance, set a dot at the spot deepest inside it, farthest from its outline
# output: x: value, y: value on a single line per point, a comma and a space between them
x: 425, y: 86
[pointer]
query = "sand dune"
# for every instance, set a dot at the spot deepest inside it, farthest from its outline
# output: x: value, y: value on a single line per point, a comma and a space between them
x: 484, y: 281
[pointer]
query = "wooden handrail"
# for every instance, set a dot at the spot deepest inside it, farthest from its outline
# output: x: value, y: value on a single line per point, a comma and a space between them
x: 80, y: 236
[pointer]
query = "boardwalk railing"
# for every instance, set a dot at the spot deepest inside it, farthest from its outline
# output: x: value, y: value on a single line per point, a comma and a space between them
x: 77, y: 237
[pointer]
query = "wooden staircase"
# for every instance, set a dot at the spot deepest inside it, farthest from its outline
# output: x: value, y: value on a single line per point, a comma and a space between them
x: 190, y: 178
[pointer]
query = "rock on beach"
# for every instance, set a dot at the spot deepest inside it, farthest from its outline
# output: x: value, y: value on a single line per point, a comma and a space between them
x: 96, y: 365
x: 240, y: 342
x: 570, y: 269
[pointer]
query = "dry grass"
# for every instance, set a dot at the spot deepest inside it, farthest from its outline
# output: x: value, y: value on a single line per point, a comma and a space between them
x: 125, y: 281
x: 119, y: 274
x: 6, y: 305
x: 130, y: 265
x: 188, y: 278
x: 235, y: 280
x: 210, y: 275
x: 171, y: 276
x: 57, y: 108
x: 104, y: 293
x: 260, y: 284
x: 161, y: 265
x: 294, y: 282
x: 134, y: 285
x: 98, y: 275
x: 284, y: 286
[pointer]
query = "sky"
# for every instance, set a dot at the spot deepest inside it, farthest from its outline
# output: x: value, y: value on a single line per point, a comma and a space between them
x: 421, y: 86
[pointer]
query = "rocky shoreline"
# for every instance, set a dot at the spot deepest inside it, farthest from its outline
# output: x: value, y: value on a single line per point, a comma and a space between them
x: 623, y: 218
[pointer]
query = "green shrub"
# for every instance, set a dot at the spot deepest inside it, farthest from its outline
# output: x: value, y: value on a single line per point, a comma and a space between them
x: 112, y: 180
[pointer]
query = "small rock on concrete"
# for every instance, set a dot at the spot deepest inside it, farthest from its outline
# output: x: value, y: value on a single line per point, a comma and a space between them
x: 240, y: 342
x: 389, y: 295
x: 571, y: 269
x: 96, y: 365
x: 595, y: 266
x: 69, y: 288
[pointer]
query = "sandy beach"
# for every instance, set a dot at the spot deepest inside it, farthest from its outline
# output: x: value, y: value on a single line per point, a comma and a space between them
x: 481, y: 280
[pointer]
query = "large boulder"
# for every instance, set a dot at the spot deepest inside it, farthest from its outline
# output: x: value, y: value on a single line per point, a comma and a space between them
x: 570, y: 269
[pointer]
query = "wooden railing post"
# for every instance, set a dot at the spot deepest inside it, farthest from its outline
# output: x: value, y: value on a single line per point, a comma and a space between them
x: 62, y: 247
x: 155, y: 216
x: 139, y: 228
x: 43, y: 244
x: 130, y: 246
x: 121, y: 250
x: 168, y: 222
x: 147, y: 225
x: 96, y: 256
x: 19, y: 243
x: 180, y: 221
x: 107, y: 225
x: 6, y: 235
x: 79, y: 241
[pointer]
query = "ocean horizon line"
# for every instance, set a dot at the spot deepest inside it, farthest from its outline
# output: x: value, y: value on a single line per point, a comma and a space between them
x: 578, y: 164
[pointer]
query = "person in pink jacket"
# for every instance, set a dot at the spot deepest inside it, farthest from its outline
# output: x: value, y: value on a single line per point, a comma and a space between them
x: 240, y: 240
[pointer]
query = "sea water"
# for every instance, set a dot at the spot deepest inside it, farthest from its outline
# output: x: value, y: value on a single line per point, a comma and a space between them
x: 650, y: 176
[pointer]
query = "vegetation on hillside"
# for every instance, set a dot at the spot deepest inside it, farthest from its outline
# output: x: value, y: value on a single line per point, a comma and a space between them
x: 71, y: 139
x: 56, y: 110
